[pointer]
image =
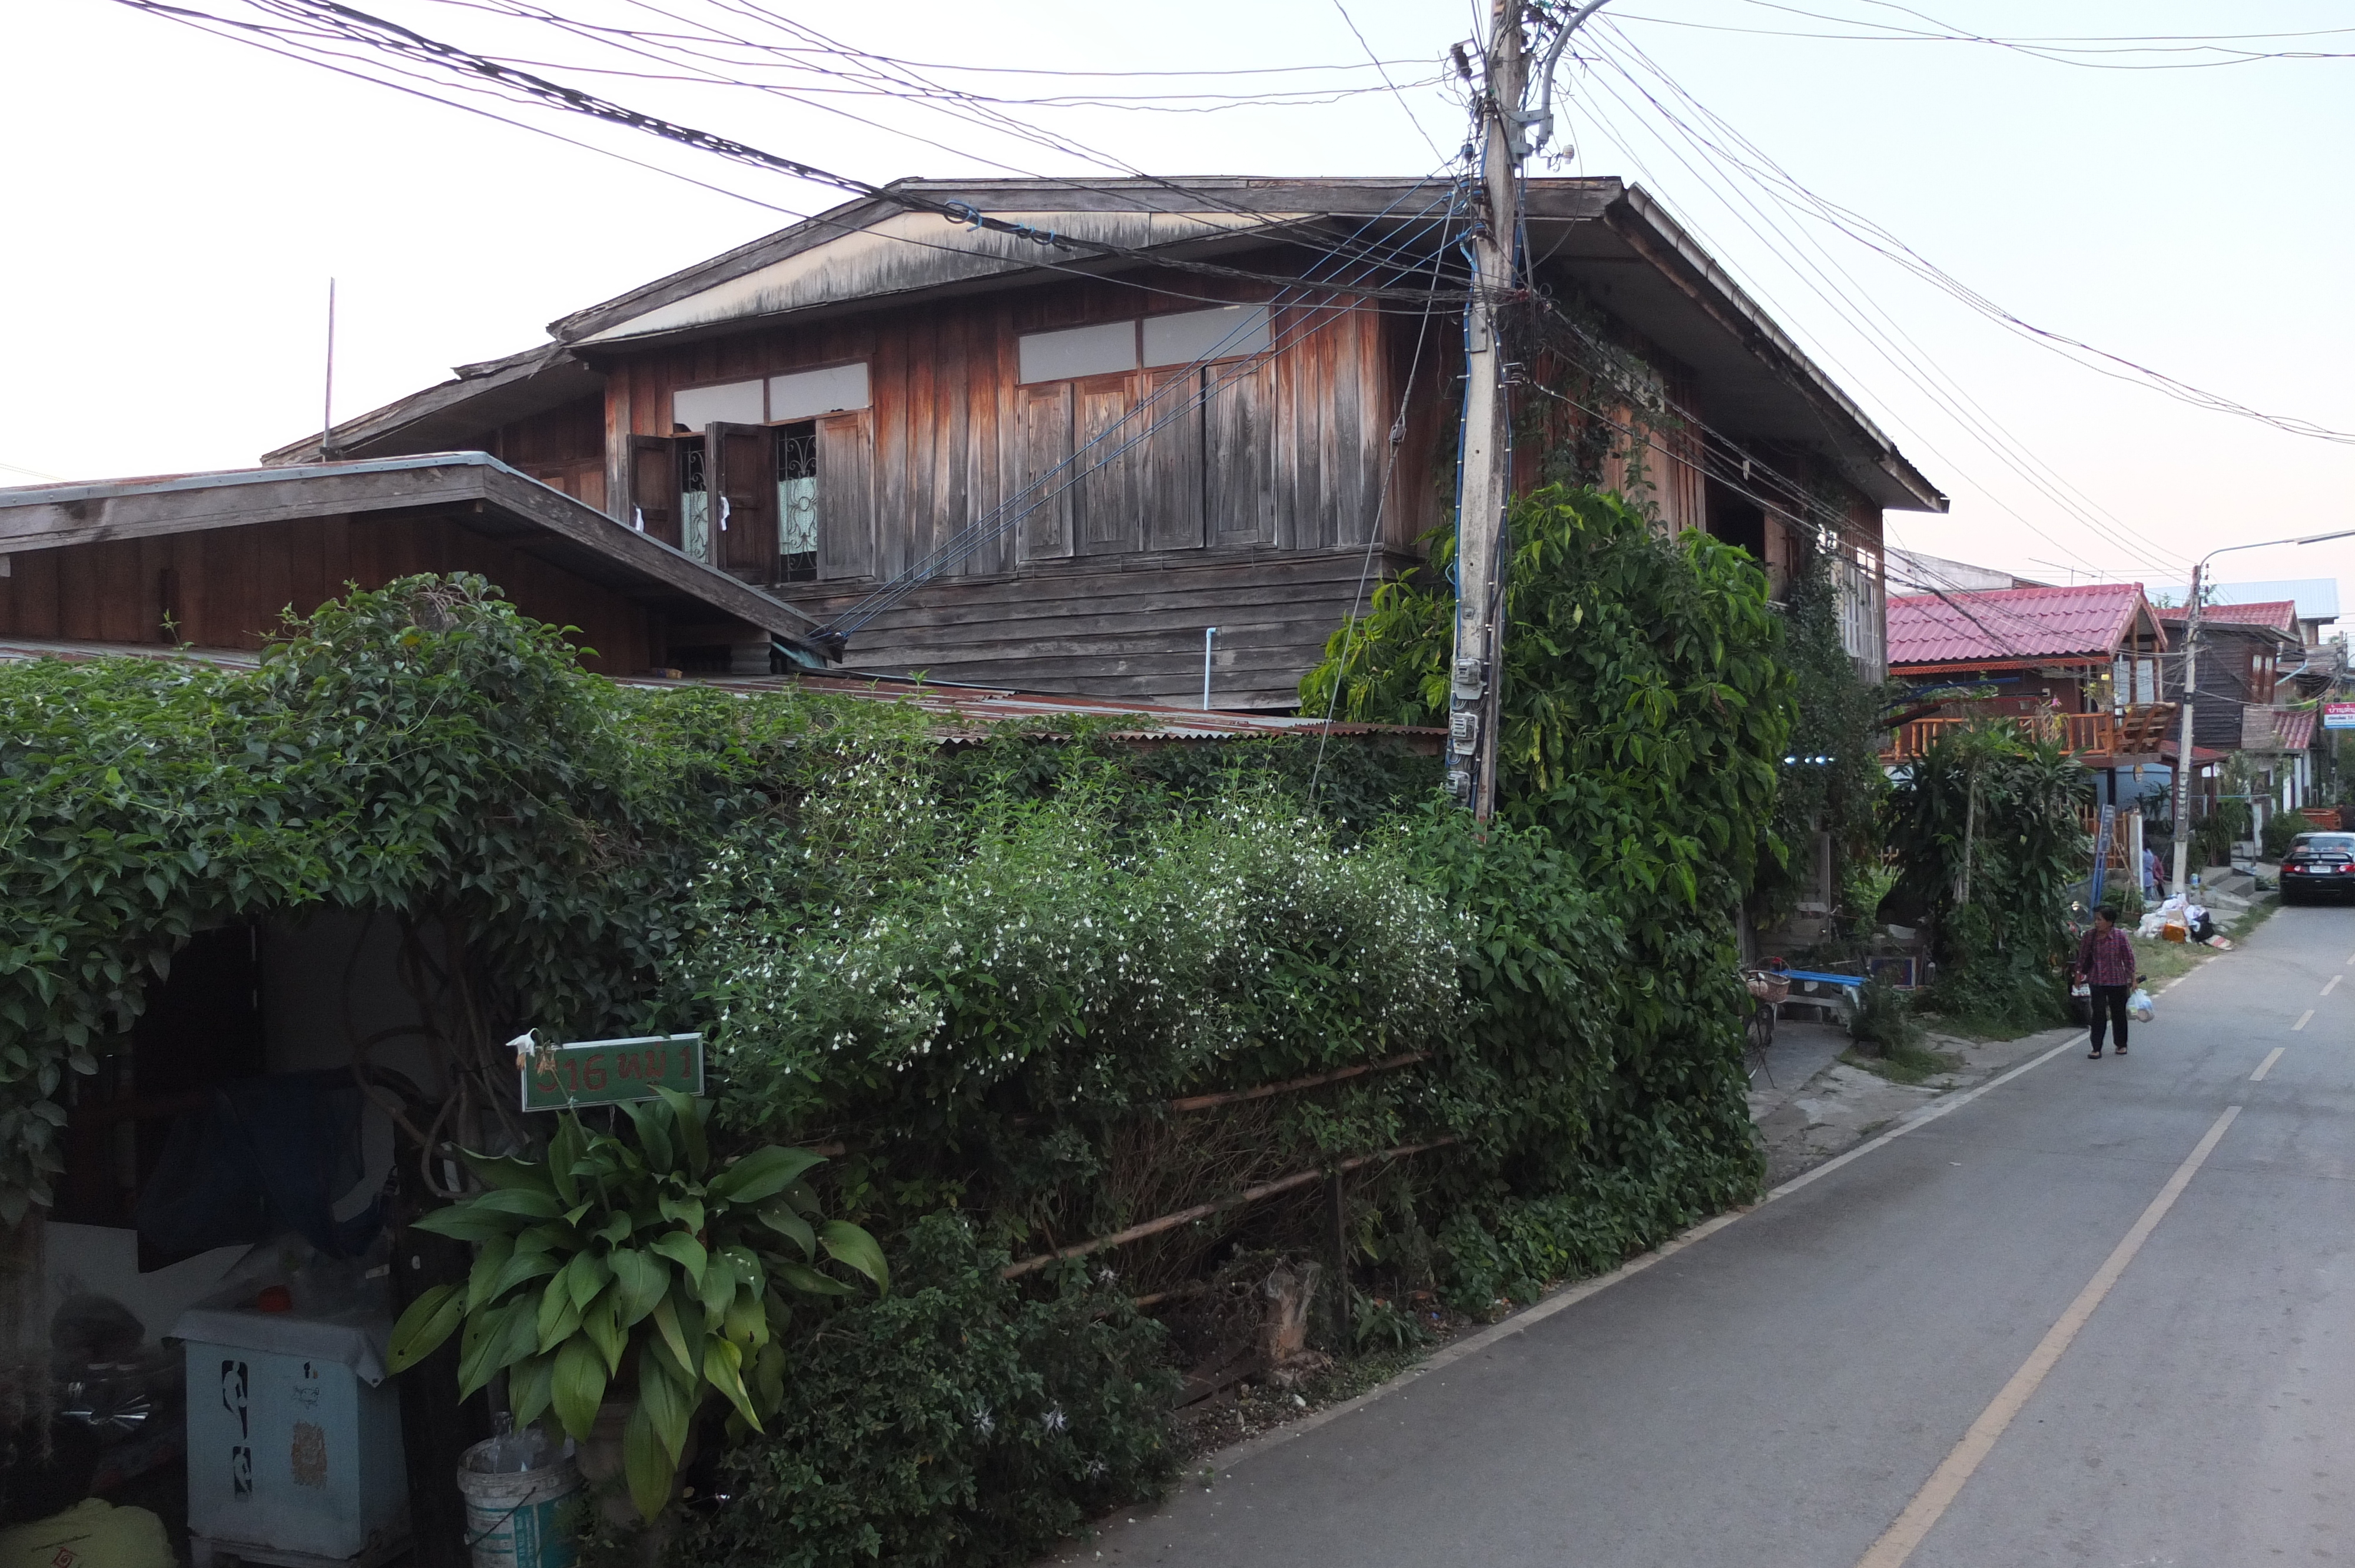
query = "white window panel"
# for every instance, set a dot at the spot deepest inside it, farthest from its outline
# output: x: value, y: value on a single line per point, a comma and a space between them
x: 1229, y: 332
x: 738, y: 403
x: 1079, y: 351
x: 807, y: 393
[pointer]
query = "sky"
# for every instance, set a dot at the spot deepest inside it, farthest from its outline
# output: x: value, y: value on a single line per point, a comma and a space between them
x: 178, y: 201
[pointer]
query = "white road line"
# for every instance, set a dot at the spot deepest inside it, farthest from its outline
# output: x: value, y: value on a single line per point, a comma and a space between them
x: 2303, y: 1020
x: 2271, y: 1057
x: 1938, y: 1493
x: 2332, y: 984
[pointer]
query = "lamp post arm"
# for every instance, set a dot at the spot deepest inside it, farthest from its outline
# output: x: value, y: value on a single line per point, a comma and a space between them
x: 1542, y: 120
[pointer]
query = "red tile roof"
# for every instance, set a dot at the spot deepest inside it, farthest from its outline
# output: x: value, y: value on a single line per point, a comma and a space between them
x: 2280, y: 614
x: 2024, y: 625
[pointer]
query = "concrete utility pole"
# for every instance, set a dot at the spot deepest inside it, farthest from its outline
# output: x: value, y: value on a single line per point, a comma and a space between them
x: 2182, y: 883
x: 2191, y: 684
x: 1485, y: 481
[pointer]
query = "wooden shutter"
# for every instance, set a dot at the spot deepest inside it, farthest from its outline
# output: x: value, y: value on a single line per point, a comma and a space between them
x: 744, y: 473
x: 1046, y: 437
x: 1172, y: 474
x: 1238, y: 456
x: 846, y: 495
x: 1104, y: 514
x: 654, y: 487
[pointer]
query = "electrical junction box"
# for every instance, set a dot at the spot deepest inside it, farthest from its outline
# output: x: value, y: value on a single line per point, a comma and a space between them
x: 294, y: 1453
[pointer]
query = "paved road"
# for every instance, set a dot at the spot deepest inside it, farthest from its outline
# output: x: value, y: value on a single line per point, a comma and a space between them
x: 1779, y: 1391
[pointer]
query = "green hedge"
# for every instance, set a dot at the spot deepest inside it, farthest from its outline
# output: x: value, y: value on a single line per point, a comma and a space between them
x: 984, y: 969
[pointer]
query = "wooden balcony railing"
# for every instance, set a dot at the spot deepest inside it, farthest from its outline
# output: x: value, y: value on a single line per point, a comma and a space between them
x: 2133, y: 731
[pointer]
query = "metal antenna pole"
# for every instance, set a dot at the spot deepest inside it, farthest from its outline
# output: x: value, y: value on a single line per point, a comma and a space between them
x: 327, y: 408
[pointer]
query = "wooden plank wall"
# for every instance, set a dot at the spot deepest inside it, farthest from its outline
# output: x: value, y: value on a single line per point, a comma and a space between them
x: 224, y: 588
x: 1130, y: 627
x: 564, y: 447
x: 1104, y: 588
x: 949, y: 419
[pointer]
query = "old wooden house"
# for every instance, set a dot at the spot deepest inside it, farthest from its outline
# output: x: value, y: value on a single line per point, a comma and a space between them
x: 1134, y: 422
x: 2249, y: 703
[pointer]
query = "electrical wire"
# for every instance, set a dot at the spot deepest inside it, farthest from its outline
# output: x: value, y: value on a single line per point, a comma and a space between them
x: 1880, y: 240
x: 1855, y: 305
x: 1404, y: 108
x: 532, y: 88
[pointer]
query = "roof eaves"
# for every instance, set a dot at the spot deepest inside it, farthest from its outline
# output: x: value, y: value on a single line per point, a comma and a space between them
x: 52, y: 517
x: 856, y: 212
x: 1768, y: 340
x: 470, y: 383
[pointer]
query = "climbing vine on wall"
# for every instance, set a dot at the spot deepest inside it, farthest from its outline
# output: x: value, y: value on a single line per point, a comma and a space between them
x: 1832, y: 780
x: 1646, y: 709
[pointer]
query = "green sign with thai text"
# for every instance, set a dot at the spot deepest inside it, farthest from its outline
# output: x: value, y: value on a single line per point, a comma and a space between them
x: 609, y: 1072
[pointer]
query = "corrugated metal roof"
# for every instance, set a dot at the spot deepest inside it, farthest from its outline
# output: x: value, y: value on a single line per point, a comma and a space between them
x: 983, y: 707
x: 971, y: 712
x: 2016, y: 625
x: 16, y: 649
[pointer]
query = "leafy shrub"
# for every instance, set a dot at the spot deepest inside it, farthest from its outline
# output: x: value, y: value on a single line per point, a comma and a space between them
x: 1377, y: 1323
x: 982, y: 1027
x: 953, y: 1423
x: 2002, y: 953
x: 2280, y: 828
x: 1523, y: 1244
x: 1883, y: 1018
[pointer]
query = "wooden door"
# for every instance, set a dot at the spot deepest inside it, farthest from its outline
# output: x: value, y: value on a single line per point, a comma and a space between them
x: 654, y: 487
x: 845, y: 494
x: 743, y: 482
x: 1044, y: 473
x: 1170, y: 477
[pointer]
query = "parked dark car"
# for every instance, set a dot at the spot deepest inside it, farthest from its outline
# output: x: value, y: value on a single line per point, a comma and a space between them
x: 2319, y: 866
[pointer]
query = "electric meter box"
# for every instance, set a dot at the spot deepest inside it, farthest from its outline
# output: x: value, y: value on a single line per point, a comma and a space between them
x: 293, y: 1456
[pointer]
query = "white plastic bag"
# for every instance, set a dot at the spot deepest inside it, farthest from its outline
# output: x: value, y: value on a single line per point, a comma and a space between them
x: 2139, y: 1006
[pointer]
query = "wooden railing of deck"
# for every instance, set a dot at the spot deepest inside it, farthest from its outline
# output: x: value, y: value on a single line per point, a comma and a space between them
x: 2133, y: 731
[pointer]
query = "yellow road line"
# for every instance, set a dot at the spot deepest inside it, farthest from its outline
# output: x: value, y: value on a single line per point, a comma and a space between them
x: 2267, y: 1065
x: 1938, y: 1493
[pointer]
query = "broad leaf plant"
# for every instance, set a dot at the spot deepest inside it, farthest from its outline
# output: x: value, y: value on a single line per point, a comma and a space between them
x: 607, y: 1260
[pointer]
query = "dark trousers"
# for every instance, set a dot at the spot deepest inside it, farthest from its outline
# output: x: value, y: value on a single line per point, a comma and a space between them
x: 2108, y: 1005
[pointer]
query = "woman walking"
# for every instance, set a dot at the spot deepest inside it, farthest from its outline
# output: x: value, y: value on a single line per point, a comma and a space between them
x: 2105, y: 961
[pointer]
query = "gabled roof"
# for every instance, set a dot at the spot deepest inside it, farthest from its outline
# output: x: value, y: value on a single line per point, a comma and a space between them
x: 2268, y: 728
x: 505, y: 504
x: 448, y: 414
x: 1602, y: 236
x: 2016, y: 626
x: 2281, y: 615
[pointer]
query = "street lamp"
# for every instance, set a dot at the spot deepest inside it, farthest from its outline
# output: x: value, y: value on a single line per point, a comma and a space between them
x: 2190, y: 646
